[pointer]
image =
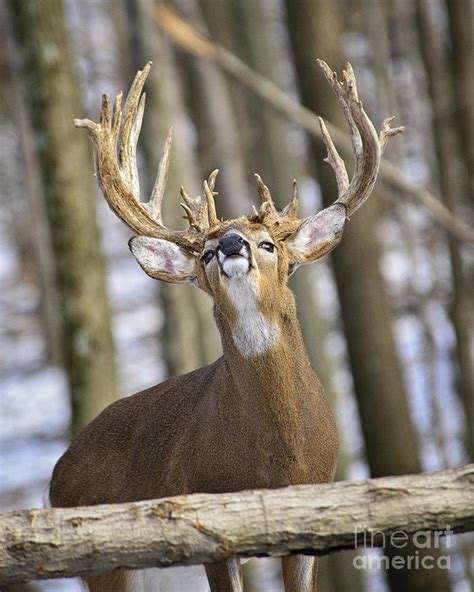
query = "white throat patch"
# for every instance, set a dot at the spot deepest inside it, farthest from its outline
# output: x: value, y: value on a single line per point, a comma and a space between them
x: 253, y: 334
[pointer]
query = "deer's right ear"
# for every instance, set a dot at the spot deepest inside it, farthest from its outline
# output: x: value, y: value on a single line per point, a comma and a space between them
x: 164, y: 260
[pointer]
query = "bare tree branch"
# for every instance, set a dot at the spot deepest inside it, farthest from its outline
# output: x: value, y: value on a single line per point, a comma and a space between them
x: 200, y: 528
x: 194, y: 42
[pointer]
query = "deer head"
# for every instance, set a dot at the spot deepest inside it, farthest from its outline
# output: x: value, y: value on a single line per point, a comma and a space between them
x: 243, y: 264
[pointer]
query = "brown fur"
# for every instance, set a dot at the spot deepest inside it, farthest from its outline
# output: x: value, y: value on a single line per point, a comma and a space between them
x: 116, y: 581
x: 239, y: 423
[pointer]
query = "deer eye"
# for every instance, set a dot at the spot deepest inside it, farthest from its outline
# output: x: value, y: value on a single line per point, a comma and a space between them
x: 270, y: 247
x: 208, y: 255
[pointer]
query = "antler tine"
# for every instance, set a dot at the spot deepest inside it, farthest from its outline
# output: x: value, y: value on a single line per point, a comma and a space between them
x: 268, y: 210
x: 211, y: 181
x: 190, y: 217
x: 333, y: 158
x: 386, y: 132
x: 131, y: 125
x: 367, y: 144
x: 117, y: 117
x: 211, y: 206
x: 338, y: 89
x: 201, y: 212
x: 291, y: 209
x: 283, y: 223
x: 156, y: 198
x: 263, y: 191
x: 129, y: 129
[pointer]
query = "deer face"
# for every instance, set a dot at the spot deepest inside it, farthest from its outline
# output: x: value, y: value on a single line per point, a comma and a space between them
x: 246, y: 252
x: 244, y: 266
x: 239, y: 252
x: 243, y: 252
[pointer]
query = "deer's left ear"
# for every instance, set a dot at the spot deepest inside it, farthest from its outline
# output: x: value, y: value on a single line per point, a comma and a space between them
x: 317, y: 236
x: 164, y: 260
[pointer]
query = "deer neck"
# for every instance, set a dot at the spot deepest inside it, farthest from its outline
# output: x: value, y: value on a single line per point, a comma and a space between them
x: 264, y: 353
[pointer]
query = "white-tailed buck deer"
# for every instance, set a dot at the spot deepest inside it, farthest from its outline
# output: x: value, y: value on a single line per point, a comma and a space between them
x: 258, y: 416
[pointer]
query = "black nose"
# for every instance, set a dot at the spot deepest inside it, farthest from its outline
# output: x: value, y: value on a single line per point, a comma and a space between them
x: 231, y: 244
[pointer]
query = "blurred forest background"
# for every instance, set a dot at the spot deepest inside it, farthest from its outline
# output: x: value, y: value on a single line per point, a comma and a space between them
x: 387, y: 318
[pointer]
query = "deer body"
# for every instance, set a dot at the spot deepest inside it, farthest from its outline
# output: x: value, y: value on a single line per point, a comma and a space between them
x: 258, y: 416
x: 237, y: 424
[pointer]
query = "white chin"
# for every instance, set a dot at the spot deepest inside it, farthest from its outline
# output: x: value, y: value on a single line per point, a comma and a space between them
x: 236, y: 266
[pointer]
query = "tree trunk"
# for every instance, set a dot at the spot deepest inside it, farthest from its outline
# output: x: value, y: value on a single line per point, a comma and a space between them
x: 461, y: 14
x: 224, y: 25
x: 65, y: 158
x: 33, y: 226
x: 270, y: 129
x: 211, y: 107
x: 390, y: 438
x: 454, y: 185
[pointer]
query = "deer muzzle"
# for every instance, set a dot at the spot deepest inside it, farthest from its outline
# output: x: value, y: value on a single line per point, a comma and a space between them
x: 233, y: 255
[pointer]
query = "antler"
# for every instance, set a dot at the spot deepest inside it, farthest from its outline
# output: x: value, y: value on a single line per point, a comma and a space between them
x: 115, y: 140
x: 367, y: 145
x: 201, y: 212
x: 283, y: 223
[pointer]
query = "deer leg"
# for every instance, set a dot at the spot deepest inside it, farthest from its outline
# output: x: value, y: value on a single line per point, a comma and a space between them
x: 225, y: 576
x: 300, y: 573
x: 112, y: 581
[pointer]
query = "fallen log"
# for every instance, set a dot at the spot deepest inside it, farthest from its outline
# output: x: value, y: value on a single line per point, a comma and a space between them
x: 200, y: 528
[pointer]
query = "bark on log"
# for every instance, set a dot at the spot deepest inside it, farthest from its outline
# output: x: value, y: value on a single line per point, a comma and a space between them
x: 200, y: 528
